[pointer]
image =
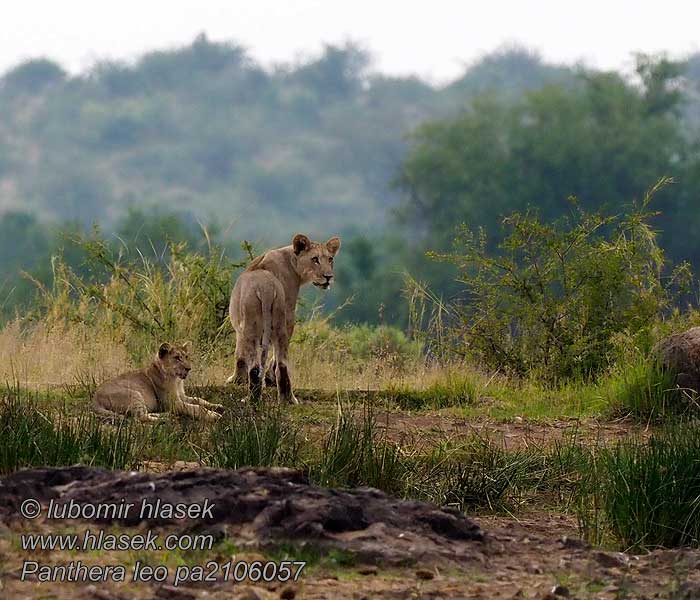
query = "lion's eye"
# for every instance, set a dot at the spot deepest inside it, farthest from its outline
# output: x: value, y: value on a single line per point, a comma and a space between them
x: 315, y: 259
x: 330, y: 260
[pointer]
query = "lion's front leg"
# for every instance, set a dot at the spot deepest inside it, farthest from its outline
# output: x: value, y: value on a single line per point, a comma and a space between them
x: 204, y: 403
x: 184, y: 405
x: 194, y: 399
x: 195, y: 411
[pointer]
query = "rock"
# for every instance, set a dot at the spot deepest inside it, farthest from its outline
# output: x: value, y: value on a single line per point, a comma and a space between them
x: 248, y: 594
x: 170, y: 592
x: 687, y: 590
x: 262, y: 507
x: 561, y: 591
x: 425, y: 574
x: 99, y: 594
x: 680, y: 354
x: 610, y: 560
x: 288, y: 593
x: 574, y: 543
x: 368, y: 570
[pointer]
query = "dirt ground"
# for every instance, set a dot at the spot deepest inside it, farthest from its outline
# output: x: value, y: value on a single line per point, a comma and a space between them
x: 516, y: 434
x: 391, y: 548
x: 539, y: 558
x: 536, y: 556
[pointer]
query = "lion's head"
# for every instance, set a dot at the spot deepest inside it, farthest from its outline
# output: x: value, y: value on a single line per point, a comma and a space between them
x: 174, y: 360
x: 314, y: 260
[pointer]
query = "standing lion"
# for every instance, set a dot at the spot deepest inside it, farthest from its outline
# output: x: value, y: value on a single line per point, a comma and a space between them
x: 263, y: 306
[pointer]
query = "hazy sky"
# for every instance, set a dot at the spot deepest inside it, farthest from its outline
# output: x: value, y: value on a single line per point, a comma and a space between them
x: 433, y: 39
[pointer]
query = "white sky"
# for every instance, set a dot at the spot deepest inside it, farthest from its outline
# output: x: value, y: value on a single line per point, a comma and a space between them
x: 433, y: 39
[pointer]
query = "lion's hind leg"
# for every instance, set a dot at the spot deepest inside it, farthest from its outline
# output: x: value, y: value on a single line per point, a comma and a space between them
x: 240, y: 376
x: 104, y: 413
x: 137, y: 408
x: 270, y: 377
x: 247, y: 348
x: 281, y: 347
x: 123, y: 402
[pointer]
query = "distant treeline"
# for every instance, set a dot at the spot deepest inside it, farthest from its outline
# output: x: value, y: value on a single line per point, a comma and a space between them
x: 328, y: 146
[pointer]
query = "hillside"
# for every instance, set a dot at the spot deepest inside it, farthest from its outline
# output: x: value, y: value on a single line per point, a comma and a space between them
x: 205, y: 130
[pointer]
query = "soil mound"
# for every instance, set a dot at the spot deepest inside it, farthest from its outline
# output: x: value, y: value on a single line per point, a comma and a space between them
x: 261, y: 507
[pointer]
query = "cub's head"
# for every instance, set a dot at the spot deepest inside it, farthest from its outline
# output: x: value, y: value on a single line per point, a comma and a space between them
x: 174, y: 360
x: 314, y: 260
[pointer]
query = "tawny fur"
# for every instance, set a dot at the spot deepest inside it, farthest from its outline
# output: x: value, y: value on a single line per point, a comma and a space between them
x: 263, y: 307
x: 157, y: 388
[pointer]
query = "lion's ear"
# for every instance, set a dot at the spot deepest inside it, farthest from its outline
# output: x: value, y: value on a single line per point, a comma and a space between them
x: 186, y: 346
x: 164, y: 349
x: 300, y: 243
x: 333, y: 245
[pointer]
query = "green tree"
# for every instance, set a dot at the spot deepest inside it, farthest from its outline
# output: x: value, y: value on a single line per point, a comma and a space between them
x: 32, y: 76
x: 151, y: 232
x: 604, y: 141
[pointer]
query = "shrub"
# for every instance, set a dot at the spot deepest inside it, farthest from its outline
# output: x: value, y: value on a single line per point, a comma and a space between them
x: 142, y: 301
x: 551, y: 297
x: 361, y: 342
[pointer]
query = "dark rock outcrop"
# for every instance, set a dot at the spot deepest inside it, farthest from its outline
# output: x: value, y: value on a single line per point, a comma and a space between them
x: 262, y: 506
x: 680, y: 355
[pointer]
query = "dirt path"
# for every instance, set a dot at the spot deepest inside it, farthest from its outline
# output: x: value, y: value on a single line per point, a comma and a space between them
x: 517, y: 434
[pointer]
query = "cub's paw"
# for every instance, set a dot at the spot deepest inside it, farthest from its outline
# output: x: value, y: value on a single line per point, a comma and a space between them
x: 210, y: 415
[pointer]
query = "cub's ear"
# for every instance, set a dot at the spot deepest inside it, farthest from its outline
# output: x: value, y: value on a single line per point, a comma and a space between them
x: 333, y: 245
x: 164, y: 349
x: 300, y: 243
x: 186, y: 346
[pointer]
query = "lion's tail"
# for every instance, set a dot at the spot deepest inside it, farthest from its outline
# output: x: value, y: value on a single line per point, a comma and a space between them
x: 266, y: 305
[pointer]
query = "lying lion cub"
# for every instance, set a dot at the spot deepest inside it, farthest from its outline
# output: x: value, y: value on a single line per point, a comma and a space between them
x: 263, y: 305
x: 158, y: 387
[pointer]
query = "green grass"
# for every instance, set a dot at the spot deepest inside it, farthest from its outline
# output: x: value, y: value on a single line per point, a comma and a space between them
x: 642, y: 389
x: 34, y: 436
x: 454, y: 390
x: 355, y: 451
x: 645, y: 494
x: 255, y: 439
x: 634, y: 494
